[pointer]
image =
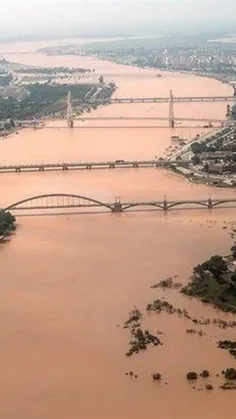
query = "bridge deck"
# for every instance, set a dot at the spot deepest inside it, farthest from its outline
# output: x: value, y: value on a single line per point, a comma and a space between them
x: 162, y: 99
x: 85, y: 165
x: 143, y: 118
x: 37, y: 122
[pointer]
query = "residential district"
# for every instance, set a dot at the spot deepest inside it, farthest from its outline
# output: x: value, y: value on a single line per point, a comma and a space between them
x: 209, y: 159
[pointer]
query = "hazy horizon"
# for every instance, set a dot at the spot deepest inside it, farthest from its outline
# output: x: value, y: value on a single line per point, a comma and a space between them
x: 25, y: 18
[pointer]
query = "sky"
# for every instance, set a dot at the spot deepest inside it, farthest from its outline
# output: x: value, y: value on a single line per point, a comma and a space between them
x: 19, y: 17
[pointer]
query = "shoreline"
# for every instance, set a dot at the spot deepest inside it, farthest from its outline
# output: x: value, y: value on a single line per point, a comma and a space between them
x: 162, y: 70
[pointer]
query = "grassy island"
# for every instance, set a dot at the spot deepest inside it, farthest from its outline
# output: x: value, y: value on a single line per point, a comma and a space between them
x: 42, y: 100
x: 214, y: 281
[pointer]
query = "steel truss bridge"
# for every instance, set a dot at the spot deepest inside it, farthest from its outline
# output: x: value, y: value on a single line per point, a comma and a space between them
x: 89, y: 165
x: 87, y: 204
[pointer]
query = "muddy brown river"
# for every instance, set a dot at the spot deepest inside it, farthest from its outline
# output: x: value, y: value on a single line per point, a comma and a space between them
x: 68, y: 282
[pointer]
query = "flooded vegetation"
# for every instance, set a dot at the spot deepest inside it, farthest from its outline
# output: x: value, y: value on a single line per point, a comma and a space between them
x: 214, y: 281
x: 140, y: 339
x: 7, y: 224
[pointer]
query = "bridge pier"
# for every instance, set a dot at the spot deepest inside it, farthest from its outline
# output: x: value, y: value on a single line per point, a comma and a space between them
x: 70, y: 120
x: 165, y: 205
x: 209, y: 203
x: 70, y: 123
x: 117, y: 207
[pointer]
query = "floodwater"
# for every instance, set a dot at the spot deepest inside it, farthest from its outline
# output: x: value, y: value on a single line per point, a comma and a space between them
x: 68, y: 282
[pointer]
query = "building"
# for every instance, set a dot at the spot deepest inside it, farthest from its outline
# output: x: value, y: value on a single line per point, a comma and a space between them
x: 216, y: 169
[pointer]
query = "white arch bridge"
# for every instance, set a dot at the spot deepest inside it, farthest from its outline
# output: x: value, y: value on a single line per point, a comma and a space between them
x: 59, y: 201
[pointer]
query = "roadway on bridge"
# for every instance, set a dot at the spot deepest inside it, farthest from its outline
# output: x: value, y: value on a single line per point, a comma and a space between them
x: 116, y: 164
x: 180, y: 99
x: 145, y: 118
x: 131, y: 127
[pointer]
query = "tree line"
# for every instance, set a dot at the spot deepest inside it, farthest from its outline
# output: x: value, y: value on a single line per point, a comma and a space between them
x: 39, y: 97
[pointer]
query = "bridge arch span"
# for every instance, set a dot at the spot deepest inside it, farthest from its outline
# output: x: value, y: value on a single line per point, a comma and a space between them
x: 58, y: 201
x: 181, y: 203
x: 143, y: 204
x: 222, y: 201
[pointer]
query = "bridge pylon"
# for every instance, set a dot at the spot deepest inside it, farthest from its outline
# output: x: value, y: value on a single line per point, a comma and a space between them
x: 70, y: 120
x: 171, y: 111
x: 210, y: 203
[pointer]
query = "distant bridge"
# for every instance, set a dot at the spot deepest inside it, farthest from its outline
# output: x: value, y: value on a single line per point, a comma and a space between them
x: 170, y: 100
x: 126, y: 127
x: 70, y: 201
x: 180, y: 99
x: 41, y: 167
x: 37, y: 122
x: 145, y: 118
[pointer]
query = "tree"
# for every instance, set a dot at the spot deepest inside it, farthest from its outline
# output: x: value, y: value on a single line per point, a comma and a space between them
x: 112, y: 85
x: 196, y: 148
x: 233, y: 277
x: 233, y: 114
x: 206, y: 167
x: 196, y: 160
x: 7, y: 126
x: 12, y: 123
x: 216, y: 265
x: 233, y: 250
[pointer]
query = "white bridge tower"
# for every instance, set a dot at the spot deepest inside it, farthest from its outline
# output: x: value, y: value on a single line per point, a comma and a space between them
x: 70, y: 120
x: 171, y: 111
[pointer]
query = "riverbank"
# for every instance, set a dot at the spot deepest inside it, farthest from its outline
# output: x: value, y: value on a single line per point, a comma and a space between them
x: 206, y: 159
x: 220, y: 182
x: 87, y: 51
